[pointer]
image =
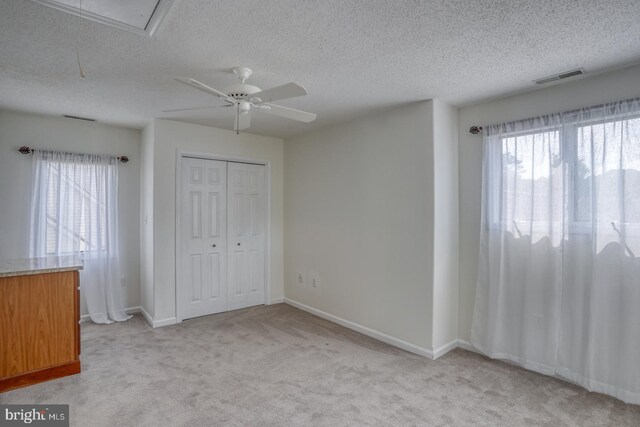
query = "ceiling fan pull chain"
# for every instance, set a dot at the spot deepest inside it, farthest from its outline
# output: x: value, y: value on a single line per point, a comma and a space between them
x: 78, y: 42
x: 238, y: 118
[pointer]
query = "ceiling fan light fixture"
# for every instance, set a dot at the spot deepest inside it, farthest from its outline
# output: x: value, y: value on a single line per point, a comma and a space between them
x: 244, y: 107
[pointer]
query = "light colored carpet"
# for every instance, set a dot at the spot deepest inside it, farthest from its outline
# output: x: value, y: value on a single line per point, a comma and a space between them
x: 278, y: 366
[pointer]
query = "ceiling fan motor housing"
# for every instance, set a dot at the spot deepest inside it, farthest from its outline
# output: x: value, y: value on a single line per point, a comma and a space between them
x: 241, y: 90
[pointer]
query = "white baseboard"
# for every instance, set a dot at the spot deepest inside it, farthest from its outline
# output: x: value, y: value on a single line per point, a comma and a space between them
x: 380, y: 336
x: 164, y: 322
x: 146, y: 316
x: 129, y: 310
x: 444, y: 349
x: 157, y: 323
x: 173, y: 320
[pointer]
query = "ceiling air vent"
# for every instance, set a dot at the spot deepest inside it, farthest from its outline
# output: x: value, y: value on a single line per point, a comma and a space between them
x: 561, y: 76
x: 86, y: 119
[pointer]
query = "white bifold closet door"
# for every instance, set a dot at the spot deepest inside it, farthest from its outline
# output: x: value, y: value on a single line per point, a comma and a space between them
x: 246, y: 228
x: 222, y: 237
x: 203, y: 248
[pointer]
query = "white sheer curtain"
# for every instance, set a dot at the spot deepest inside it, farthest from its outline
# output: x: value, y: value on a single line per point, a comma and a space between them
x: 74, y: 211
x: 558, y: 287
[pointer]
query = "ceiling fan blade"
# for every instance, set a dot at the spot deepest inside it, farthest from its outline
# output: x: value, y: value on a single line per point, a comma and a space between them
x: 290, y: 90
x: 289, y: 113
x: 196, y: 108
x: 203, y: 87
x: 242, y: 121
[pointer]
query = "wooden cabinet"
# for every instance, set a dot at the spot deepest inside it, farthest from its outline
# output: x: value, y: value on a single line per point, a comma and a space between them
x: 39, y: 328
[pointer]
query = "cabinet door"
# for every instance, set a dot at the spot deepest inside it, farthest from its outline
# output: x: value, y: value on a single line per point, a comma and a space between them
x: 38, y: 322
x: 203, y: 251
x: 247, y: 235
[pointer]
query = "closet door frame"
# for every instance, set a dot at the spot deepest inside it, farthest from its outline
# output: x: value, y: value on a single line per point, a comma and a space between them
x: 178, y: 236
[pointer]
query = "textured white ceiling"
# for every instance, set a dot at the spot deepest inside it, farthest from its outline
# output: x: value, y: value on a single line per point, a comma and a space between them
x: 354, y: 57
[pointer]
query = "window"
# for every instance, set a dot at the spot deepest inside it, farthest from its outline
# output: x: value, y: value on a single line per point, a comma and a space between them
x: 535, y: 162
x: 563, y: 174
x: 607, y: 156
x: 74, y: 205
x: 526, y: 167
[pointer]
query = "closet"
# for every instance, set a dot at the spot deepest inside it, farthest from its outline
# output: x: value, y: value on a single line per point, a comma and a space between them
x: 222, y: 239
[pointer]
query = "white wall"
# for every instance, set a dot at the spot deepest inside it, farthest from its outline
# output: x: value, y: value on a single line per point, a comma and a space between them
x: 612, y: 86
x: 146, y: 219
x: 170, y: 136
x: 58, y: 133
x: 446, y: 208
x: 359, y: 217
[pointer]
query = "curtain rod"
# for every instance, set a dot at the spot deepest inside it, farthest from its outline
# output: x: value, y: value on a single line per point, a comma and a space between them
x: 27, y: 150
x: 474, y: 130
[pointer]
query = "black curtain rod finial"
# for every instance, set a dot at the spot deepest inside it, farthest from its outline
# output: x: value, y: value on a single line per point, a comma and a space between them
x: 25, y: 150
x: 474, y: 130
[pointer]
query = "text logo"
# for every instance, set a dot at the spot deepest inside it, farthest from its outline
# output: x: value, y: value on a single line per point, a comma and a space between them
x: 34, y: 415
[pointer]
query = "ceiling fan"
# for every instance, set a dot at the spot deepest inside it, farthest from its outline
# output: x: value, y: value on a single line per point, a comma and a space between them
x: 244, y: 98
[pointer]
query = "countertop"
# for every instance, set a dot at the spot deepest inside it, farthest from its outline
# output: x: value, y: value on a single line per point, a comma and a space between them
x: 27, y: 266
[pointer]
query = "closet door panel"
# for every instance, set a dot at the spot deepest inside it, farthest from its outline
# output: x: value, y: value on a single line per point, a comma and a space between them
x: 203, y: 246
x: 246, y: 193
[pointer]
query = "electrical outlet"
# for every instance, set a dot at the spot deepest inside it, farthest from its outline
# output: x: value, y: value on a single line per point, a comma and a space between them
x: 123, y: 281
x: 314, y: 281
x: 300, y: 278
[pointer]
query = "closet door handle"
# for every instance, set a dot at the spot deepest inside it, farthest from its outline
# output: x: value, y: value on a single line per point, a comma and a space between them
x: 214, y: 245
x: 238, y: 244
